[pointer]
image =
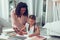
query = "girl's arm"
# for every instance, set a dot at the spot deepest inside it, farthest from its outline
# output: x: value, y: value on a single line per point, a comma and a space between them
x: 23, y: 30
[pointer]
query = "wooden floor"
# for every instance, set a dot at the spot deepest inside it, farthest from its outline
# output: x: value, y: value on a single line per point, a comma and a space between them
x: 43, y: 32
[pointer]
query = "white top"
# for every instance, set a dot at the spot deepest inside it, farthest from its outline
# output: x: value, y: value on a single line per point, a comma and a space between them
x: 31, y: 31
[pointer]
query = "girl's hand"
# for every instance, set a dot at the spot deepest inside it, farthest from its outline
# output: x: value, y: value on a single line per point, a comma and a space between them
x: 22, y: 28
x: 24, y: 32
x: 31, y: 35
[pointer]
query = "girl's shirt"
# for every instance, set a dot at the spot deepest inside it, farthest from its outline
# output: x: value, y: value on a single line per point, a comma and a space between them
x: 31, y: 31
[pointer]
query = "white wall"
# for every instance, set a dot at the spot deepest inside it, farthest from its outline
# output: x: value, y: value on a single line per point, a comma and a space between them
x: 4, y: 9
x: 0, y: 9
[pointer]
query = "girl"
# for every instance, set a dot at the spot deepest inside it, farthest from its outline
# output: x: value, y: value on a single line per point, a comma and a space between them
x: 31, y: 27
x: 32, y: 30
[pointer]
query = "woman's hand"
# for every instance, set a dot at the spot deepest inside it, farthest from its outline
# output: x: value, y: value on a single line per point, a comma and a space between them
x: 16, y: 29
x: 22, y: 32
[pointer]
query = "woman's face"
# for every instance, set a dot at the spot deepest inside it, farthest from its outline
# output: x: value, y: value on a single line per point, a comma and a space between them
x: 31, y: 21
x: 22, y: 11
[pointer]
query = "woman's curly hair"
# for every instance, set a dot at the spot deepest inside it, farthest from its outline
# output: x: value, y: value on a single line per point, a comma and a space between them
x: 18, y: 8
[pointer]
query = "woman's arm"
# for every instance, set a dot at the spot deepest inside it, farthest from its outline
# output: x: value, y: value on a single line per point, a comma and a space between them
x: 37, y: 32
x: 13, y: 21
x: 13, y: 18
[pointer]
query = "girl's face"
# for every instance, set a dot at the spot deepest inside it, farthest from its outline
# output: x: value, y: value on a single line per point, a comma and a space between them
x: 31, y: 21
x: 22, y: 11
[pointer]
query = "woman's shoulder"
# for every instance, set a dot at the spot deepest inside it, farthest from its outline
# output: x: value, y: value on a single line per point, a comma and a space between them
x: 13, y: 14
x: 13, y: 11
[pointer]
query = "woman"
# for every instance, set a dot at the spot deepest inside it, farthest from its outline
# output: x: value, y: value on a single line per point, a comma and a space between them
x: 19, y: 17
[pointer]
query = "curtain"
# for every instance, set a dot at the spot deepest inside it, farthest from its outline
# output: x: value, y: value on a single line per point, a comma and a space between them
x: 56, y: 12
x: 52, y: 11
